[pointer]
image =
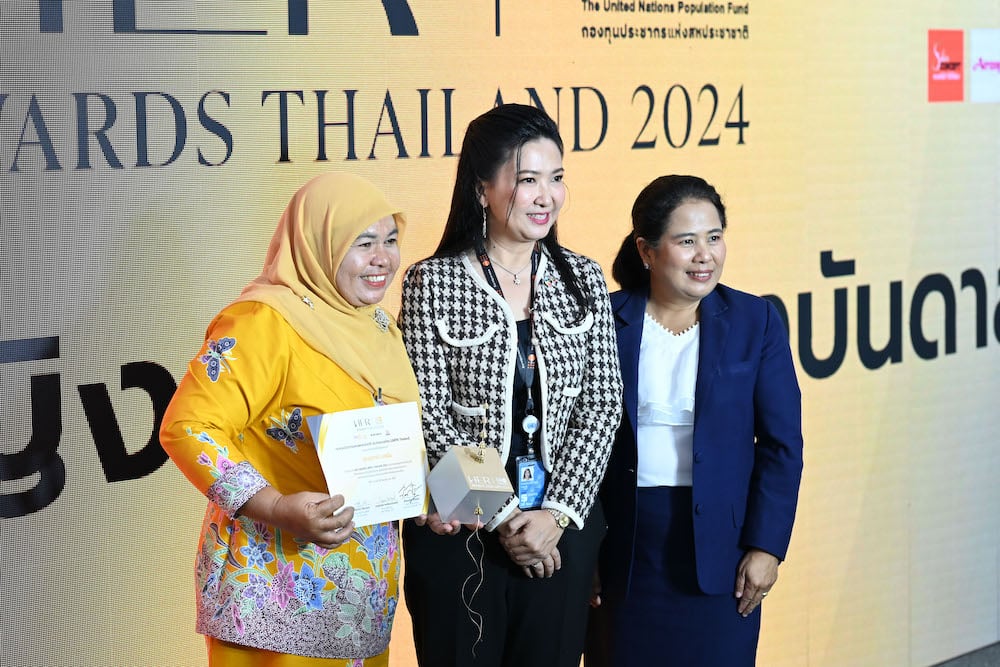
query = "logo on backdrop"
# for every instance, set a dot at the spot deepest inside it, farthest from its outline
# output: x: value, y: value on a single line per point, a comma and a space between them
x: 984, y: 66
x: 161, y: 117
x: 945, y: 76
x: 123, y: 12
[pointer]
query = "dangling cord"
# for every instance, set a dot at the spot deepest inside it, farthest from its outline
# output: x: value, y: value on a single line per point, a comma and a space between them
x: 475, y: 616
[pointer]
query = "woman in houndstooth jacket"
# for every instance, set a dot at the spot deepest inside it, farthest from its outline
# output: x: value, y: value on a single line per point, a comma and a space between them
x: 505, y: 323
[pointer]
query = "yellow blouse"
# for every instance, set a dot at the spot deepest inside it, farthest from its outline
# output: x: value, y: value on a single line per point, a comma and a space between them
x: 236, y: 425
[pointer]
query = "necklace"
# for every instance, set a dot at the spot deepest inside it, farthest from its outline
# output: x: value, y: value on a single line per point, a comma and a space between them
x: 670, y: 331
x: 516, y: 278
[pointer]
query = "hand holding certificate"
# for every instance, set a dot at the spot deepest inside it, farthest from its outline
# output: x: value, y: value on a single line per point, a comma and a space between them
x: 375, y: 457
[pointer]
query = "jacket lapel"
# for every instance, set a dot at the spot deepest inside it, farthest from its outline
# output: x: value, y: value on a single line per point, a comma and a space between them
x: 628, y: 324
x: 714, y: 326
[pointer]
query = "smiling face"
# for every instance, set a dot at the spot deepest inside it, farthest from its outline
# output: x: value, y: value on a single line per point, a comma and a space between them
x: 523, y: 200
x: 686, y: 263
x: 370, y: 264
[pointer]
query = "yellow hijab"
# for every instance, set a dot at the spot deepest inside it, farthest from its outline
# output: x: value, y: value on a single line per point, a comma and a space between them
x: 319, y: 225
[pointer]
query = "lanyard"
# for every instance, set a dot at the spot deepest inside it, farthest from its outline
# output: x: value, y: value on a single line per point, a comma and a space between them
x: 525, y: 366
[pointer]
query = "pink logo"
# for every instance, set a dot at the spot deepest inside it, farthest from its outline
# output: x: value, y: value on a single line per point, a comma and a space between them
x: 987, y: 65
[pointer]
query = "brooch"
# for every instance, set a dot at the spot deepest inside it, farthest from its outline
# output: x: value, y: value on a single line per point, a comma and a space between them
x: 381, y: 319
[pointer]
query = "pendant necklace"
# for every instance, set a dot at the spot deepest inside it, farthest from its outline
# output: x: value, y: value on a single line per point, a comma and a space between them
x: 516, y: 278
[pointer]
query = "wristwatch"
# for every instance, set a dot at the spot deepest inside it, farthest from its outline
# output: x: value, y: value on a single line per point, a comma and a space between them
x: 561, y: 519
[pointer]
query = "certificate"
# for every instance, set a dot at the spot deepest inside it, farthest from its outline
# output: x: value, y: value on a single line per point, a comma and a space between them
x: 375, y: 458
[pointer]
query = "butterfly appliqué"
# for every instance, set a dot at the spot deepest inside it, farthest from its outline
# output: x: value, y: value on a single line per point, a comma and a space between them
x: 287, y: 429
x: 218, y: 356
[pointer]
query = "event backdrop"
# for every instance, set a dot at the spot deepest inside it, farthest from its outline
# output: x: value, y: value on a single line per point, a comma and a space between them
x: 148, y: 147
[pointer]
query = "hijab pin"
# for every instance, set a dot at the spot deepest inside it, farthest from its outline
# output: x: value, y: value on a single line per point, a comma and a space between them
x: 306, y: 300
x: 381, y: 319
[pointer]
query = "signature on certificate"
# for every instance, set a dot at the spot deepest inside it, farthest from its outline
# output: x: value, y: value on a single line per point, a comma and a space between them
x: 409, y: 493
x: 362, y: 506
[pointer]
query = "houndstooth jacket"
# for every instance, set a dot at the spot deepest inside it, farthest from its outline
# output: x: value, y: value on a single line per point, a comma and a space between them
x: 462, y: 339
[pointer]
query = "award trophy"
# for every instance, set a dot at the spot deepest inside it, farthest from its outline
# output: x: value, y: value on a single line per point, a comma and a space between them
x: 469, y: 483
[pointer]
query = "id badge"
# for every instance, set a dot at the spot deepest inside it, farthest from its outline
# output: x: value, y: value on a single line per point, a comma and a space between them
x: 530, y: 482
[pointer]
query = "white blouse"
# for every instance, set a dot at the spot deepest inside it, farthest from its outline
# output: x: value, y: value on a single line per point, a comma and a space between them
x: 668, y: 371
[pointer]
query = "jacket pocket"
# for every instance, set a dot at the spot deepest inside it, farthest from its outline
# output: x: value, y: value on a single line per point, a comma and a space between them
x: 737, y: 369
x: 474, y: 340
x: 468, y: 419
x: 582, y: 327
x: 468, y: 411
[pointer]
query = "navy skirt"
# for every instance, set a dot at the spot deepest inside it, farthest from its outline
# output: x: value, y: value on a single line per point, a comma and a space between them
x: 665, y: 619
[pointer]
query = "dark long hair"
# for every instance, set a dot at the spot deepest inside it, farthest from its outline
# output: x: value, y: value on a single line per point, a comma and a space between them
x: 491, y: 140
x: 650, y: 217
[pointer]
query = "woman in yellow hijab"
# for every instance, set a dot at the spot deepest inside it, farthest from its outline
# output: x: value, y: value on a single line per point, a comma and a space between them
x: 283, y: 576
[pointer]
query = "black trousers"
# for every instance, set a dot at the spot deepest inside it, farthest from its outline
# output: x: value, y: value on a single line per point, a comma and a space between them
x: 525, y: 622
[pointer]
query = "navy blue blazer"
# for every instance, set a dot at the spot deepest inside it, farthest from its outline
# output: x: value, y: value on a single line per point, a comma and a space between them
x: 747, y: 438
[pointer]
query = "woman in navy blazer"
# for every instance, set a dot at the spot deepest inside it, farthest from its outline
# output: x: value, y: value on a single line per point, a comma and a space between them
x: 701, y: 490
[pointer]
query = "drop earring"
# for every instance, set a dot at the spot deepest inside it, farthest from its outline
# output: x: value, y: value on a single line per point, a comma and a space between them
x: 484, y: 223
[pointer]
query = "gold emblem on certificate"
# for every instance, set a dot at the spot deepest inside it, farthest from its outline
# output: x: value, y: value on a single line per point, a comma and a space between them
x: 375, y: 458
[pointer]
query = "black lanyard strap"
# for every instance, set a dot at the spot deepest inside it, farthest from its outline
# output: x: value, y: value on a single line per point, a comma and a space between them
x: 525, y: 363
